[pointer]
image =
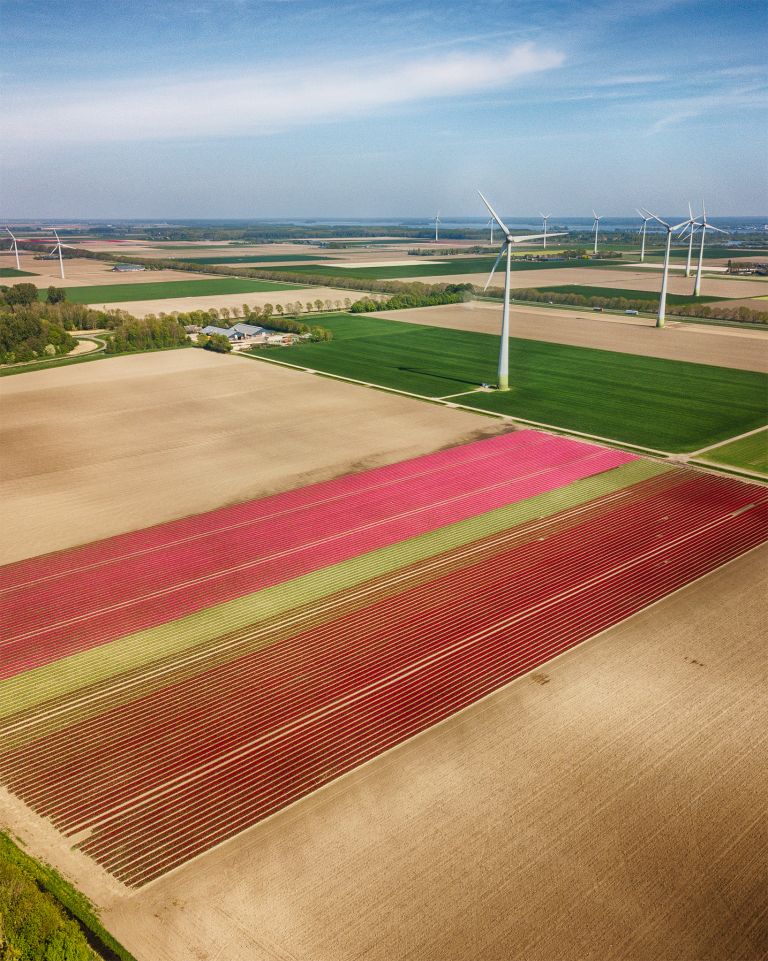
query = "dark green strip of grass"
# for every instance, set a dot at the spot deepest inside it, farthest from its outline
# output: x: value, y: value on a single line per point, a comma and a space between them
x: 164, y: 290
x: 663, y: 404
x: 12, y: 272
x: 649, y: 295
x: 74, y: 904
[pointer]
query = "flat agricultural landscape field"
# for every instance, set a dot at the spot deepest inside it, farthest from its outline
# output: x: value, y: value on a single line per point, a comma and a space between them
x: 12, y: 272
x: 749, y: 453
x: 660, y: 404
x: 695, y: 343
x: 163, y: 290
x: 423, y: 268
x: 285, y: 294
x: 85, y: 272
x: 275, y: 258
x: 228, y: 665
x: 609, y: 806
x: 125, y: 442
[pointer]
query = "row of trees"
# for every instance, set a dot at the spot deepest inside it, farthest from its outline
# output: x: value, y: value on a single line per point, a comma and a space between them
x: 451, y: 294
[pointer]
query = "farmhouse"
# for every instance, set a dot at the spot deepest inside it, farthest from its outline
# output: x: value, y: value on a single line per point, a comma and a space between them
x: 241, y: 332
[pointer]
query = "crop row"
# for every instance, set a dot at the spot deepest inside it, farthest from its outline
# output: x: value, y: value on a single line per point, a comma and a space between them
x: 156, y: 781
x: 91, y: 605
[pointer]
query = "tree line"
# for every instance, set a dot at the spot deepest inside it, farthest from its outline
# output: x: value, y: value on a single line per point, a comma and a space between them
x: 452, y: 294
x: 29, y: 329
x: 715, y: 311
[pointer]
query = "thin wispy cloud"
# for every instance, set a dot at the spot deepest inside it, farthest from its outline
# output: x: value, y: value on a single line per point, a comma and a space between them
x: 677, y: 111
x: 257, y: 102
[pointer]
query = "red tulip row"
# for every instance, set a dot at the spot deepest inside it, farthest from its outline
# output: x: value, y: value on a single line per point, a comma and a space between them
x: 90, y: 596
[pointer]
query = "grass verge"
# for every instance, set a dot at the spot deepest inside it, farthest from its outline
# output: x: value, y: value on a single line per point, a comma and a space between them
x: 74, y: 904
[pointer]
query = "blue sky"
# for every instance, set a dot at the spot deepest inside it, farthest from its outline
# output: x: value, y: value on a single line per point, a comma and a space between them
x: 280, y: 108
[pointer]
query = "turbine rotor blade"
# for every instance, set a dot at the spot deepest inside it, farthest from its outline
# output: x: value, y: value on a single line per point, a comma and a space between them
x: 495, y: 216
x: 520, y: 239
x: 496, y: 264
x: 654, y: 217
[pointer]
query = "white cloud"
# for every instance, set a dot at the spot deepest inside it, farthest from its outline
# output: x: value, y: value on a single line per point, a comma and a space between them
x: 257, y: 101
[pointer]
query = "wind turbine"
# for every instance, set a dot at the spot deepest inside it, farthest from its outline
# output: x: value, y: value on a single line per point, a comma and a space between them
x: 704, y: 226
x: 58, y: 249
x: 437, y: 224
x: 490, y: 224
x: 545, y: 218
x: 691, y: 227
x: 642, y: 231
x: 596, y: 227
x: 506, y: 248
x: 665, y: 273
x: 15, y: 249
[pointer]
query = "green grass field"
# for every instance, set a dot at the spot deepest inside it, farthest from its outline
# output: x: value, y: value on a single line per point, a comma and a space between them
x: 749, y: 453
x: 263, y: 259
x: 115, y: 293
x: 655, y: 403
x: 451, y: 265
x: 649, y: 295
x: 12, y: 272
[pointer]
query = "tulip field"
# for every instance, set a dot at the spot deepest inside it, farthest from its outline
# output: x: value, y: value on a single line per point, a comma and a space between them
x: 164, y: 690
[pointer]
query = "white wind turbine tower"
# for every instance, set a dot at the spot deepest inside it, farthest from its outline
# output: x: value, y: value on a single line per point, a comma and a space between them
x: 438, y: 221
x: 545, y: 218
x: 15, y: 249
x: 506, y: 248
x: 704, y: 226
x: 665, y: 272
x: 596, y: 227
x: 642, y: 231
x: 490, y: 224
x: 58, y: 249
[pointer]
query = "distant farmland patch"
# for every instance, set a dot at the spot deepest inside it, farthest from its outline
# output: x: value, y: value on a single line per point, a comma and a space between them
x: 116, y: 293
x: 663, y: 404
x: 12, y: 272
x: 650, y: 295
x: 261, y: 259
x: 457, y: 265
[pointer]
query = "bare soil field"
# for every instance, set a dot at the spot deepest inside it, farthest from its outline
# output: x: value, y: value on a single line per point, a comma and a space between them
x: 97, y: 449
x: 607, y: 806
x: 623, y: 279
x: 758, y: 302
x: 698, y: 343
x: 85, y: 273
x: 140, y: 308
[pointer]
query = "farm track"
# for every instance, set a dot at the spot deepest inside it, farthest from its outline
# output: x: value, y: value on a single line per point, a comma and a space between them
x: 108, y: 593
x: 186, y: 766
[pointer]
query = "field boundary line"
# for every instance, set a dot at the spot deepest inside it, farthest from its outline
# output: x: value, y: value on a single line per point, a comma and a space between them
x: 718, y: 467
x: 475, y: 410
x: 730, y: 440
